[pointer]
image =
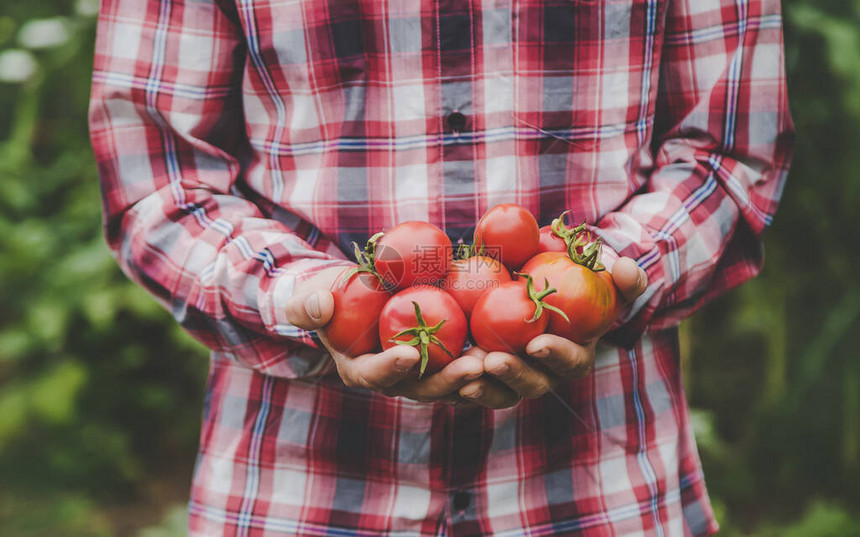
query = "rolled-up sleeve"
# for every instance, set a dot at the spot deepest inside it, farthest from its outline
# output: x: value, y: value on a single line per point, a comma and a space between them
x: 167, y: 130
x: 723, y: 143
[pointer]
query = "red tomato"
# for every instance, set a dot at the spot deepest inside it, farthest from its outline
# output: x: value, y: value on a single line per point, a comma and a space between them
x: 509, y: 233
x: 354, y: 327
x: 413, y: 253
x: 425, y: 313
x: 468, y: 279
x: 550, y: 242
x: 587, y: 297
x: 507, y: 318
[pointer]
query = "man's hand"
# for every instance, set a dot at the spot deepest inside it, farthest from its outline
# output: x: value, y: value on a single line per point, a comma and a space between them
x: 392, y: 372
x: 556, y: 359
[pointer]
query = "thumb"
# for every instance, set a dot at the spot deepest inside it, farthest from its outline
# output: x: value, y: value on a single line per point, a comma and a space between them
x: 630, y: 279
x: 312, y: 310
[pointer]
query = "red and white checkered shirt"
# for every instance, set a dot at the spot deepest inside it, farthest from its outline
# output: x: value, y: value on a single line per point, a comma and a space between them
x: 244, y: 145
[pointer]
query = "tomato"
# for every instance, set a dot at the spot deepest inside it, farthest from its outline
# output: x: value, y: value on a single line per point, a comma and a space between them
x: 468, y: 279
x: 426, y: 317
x: 358, y: 300
x: 587, y: 297
x: 507, y: 318
x: 412, y: 253
x: 509, y: 233
x: 550, y: 242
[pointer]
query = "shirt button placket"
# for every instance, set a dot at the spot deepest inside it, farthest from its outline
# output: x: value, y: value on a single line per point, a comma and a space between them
x: 463, y: 518
x: 456, y: 122
x: 460, y: 501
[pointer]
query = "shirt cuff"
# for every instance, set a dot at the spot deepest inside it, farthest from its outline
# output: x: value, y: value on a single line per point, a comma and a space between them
x: 273, y: 300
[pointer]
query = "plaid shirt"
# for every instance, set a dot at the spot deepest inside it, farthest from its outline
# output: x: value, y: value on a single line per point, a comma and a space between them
x: 243, y: 146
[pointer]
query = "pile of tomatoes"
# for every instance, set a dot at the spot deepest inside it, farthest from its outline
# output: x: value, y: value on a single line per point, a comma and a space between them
x: 515, y: 282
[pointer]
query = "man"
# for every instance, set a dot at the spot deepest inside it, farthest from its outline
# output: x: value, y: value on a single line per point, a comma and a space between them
x: 242, y: 146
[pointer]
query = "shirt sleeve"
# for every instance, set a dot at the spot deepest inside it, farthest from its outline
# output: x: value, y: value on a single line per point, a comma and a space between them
x: 167, y: 127
x: 723, y: 143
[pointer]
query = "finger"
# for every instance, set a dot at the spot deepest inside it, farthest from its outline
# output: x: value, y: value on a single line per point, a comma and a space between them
x: 310, y: 311
x: 629, y: 278
x: 443, y: 383
x: 489, y: 393
x: 477, y: 352
x: 378, y: 371
x: 517, y: 374
x: 562, y: 357
x: 457, y: 401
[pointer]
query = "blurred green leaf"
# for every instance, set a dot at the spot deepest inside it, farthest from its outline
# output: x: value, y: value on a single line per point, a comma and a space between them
x: 13, y: 412
x: 14, y: 344
x: 7, y: 29
x: 821, y: 520
x: 175, y: 524
x: 52, y: 397
x: 74, y: 515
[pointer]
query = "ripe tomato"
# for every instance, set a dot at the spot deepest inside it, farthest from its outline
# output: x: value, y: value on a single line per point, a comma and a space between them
x: 428, y: 318
x: 468, y: 279
x: 358, y: 300
x: 550, y: 242
x: 507, y: 318
x: 587, y: 297
x: 412, y: 253
x: 509, y: 233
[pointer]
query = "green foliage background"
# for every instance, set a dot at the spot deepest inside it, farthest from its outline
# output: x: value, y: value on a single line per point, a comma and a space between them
x: 100, y: 393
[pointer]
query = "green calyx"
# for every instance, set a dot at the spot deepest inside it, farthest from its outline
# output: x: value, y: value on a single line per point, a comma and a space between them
x: 422, y: 337
x: 365, y: 259
x: 466, y: 251
x: 538, y: 298
x: 581, y: 248
x: 590, y: 256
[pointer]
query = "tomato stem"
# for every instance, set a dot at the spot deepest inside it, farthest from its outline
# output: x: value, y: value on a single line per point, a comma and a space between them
x: 366, y: 261
x: 422, y: 337
x: 538, y: 298
x: 466, y: 251
x: 582, y: 248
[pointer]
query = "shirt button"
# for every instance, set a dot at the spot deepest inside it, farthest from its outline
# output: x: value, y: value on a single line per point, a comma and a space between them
x: 461, y: 500
x: 456, y: 121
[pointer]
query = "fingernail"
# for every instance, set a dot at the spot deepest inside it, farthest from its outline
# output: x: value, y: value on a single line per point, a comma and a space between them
x: 404, y: 364
x: 312, y: 306
x: 540, y: 353
x: 474, y: 393
x: 500, y: 369
x: 472, y: 374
